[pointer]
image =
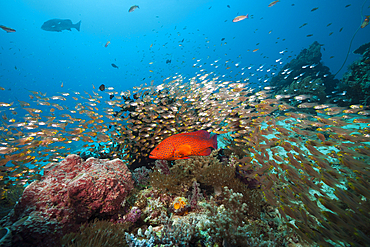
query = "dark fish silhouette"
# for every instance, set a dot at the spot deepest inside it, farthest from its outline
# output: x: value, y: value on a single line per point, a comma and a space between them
x: 114, y: 66
x: 102, y: 87
x: 58, y: 25
x: 7, y: 29
x: 132, y: 8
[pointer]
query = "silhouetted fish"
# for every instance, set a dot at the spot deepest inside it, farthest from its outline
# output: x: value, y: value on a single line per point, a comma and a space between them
x: 58, y: 25
x: 114, y: 66
x: 7, y: 29
x: 102, y: 87
x: 132, y: 8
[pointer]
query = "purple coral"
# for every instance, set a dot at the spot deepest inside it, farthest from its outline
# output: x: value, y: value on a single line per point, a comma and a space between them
x: 141, y: 175
x: 134, y: 215
x: 162, y: 166
x: 196, y: 196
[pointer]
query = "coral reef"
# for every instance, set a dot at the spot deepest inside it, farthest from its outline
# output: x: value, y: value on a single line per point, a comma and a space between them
x: 180, y: 232
x: 5, y: 237
x: 208, y: 171
x: 70, y: 193
x: 305, y: 75
x: 97, y: 234
x: 228, y: 224
x: 141, y: 176
x: 9, y: 197
x: 356, y: 81
x: 294, y: 175
x: 315, y: 174
x: 162, y: 166
x: 196, y: 196
x: 180, y: 206
x: 363, y: 49
x: 132, y: 216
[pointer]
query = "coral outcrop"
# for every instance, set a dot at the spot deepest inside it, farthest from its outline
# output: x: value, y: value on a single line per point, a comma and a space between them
x: 70, y: 193
x: 356, y: 82
x: 305, y: 75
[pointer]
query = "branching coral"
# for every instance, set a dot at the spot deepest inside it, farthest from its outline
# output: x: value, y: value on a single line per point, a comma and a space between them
x: 180, y: 232
x: 141, y: 176
x: 229, y: 224
x: 196, y: 196
x: 207, y: 170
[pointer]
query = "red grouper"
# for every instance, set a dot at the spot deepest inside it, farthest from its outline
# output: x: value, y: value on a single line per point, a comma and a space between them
x: 185, y: 145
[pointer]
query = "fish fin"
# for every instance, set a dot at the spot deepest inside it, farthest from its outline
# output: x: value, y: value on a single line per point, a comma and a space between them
x: 199, y: 133
x: 205, y: 152
x: 214, y: 141
x: 185, y: 158
x: 182, y: 151
x: 78, y: 25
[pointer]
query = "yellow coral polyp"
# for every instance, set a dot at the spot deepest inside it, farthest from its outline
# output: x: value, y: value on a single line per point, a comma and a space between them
x: 176, y: 205
x: 179, y: 205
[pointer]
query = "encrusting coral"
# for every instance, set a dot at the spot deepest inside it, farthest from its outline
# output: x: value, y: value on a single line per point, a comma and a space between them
x: 69, y: 193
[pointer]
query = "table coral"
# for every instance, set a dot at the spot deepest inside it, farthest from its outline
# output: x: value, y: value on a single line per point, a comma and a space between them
x: 70, y: 193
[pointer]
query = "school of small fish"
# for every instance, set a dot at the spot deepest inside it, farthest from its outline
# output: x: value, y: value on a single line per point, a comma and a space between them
x: 296, y: 153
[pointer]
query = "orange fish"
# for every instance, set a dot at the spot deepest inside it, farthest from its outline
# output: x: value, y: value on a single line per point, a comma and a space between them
x: 366, y: 21
x: 240, y: 18
x: 106, y: 44
x: 184, y: 145
x: 273, y: 3
x: 7, y: 29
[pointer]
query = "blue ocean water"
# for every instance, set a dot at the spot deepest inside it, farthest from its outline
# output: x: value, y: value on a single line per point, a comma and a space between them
x: 155, y: 42
x: 185, y: 32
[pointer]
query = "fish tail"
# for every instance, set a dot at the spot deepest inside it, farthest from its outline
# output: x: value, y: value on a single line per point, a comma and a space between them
x: 214, y: 142
x: 77, y: 25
